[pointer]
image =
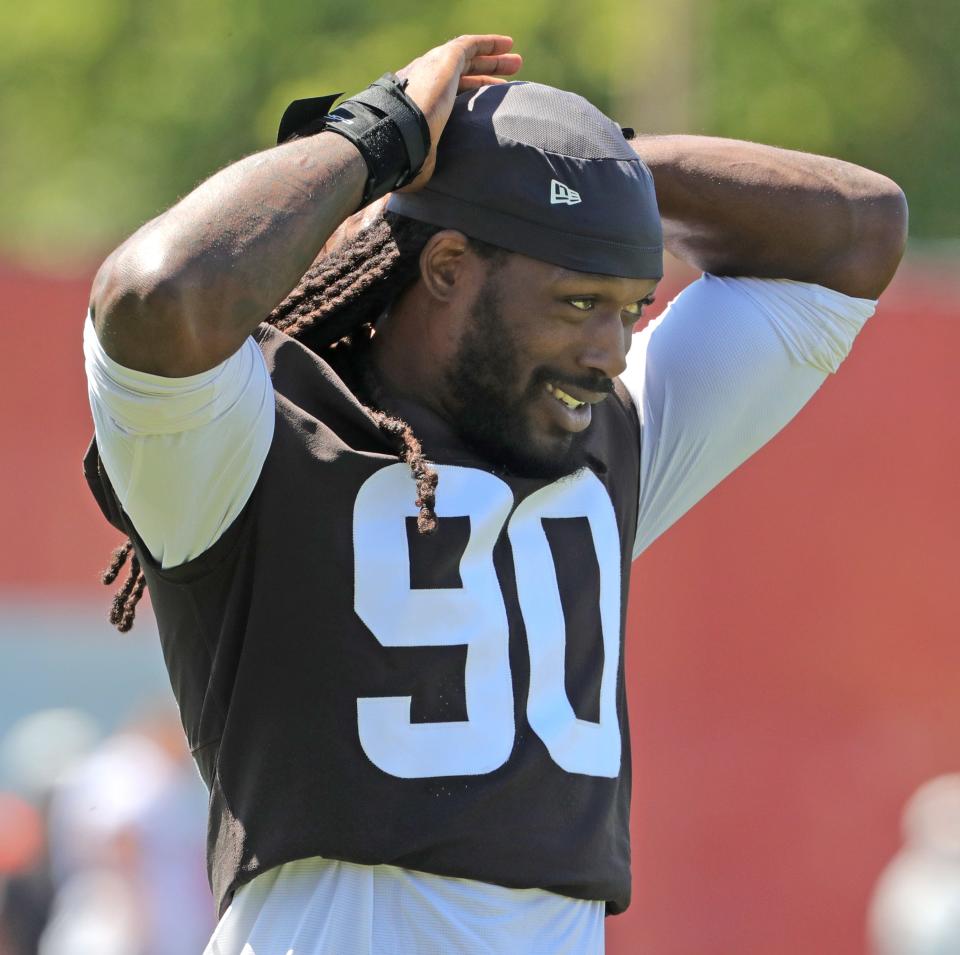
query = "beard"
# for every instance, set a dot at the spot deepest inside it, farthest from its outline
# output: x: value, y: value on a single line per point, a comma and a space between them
x: 491, y: 415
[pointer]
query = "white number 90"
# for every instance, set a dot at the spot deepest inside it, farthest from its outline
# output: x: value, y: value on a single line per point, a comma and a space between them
x: 475, y: 615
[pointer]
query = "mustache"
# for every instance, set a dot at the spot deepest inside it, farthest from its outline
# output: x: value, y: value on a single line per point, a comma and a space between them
x: 597, y: 383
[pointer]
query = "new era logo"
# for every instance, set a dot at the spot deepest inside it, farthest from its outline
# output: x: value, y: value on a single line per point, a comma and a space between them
x: 563, y: 195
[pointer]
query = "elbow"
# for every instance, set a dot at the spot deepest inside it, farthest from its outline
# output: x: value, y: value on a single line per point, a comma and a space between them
x: 132, y: 287
x: 888, y: 233
x: 878, y: 240
x: 137, y: 308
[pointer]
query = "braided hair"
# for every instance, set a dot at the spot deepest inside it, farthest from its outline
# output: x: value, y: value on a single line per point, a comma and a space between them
x: 333, y: 309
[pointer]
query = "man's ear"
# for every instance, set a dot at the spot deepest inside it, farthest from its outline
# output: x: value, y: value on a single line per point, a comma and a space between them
x: 444, y: 264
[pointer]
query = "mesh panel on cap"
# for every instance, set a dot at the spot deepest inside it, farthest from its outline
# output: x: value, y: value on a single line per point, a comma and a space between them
x: 558, y: 122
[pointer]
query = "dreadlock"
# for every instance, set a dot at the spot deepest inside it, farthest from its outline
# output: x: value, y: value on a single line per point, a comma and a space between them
x: 354, y: 284
x: 125, y: 600
x: 335, y: 306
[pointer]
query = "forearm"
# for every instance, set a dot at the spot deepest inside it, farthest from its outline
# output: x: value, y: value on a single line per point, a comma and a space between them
x: 737, y: 208
x: 185, y: 290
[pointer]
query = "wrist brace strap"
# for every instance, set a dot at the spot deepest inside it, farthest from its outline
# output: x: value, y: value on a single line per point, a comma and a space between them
x: 383, y: 122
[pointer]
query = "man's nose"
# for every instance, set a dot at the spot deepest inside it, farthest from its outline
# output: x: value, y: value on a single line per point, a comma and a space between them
x: 605, y: 345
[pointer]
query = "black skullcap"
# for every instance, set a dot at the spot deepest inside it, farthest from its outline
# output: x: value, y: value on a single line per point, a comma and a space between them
x: 543, y: 172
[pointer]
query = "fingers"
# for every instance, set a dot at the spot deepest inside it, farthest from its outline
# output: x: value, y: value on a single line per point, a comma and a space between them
x: 487, y: 54
x: 484, y: 44
x: 502, y: 65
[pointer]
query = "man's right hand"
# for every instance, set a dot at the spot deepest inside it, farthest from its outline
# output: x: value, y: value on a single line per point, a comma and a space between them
x: 434, y: 79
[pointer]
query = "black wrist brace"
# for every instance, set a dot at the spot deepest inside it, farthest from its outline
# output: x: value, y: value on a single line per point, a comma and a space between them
x: 383, y: 122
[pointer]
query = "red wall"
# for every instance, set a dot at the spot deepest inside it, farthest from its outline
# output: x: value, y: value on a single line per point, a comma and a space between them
x: 792, y: 659
x: 55, y: 538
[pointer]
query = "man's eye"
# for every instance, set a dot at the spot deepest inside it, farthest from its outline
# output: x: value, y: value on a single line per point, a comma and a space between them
x: 582, y: 304
x: 636, y: 308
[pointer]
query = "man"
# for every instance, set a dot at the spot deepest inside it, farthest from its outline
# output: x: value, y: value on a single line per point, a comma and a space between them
x: 402, y: 680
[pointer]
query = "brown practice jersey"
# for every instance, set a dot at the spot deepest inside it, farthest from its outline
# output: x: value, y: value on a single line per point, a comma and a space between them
x: 452, y: 702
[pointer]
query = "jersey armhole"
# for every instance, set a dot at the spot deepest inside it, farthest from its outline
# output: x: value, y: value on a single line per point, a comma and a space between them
x: 220, y: 551
x: 196, y: 568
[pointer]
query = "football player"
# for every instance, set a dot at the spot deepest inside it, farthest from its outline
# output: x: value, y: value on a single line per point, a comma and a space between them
x: 385, y: 478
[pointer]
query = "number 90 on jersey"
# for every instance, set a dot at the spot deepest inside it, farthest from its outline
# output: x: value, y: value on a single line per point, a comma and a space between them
x: 475, y: 615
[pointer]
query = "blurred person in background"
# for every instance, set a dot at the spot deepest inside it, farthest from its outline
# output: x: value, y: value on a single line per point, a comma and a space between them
x: 390, y: 567
x: 126, y: 842
x: 35, y: 753
x: 25, y: 890
x: 915, y: 908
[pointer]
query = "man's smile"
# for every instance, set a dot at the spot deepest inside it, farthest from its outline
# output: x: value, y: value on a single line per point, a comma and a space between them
x: 570, y: 406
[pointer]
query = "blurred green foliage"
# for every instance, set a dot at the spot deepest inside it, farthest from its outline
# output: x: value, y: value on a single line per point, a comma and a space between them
x: 111, y: 109
x: 873, y: 81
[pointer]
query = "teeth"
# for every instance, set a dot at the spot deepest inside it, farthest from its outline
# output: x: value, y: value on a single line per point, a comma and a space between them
x: 562, y: 396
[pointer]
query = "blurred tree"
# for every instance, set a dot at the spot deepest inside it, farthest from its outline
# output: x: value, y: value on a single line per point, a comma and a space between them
x: 873, y: 81
x: 114, y: 108
x: 111, y: 109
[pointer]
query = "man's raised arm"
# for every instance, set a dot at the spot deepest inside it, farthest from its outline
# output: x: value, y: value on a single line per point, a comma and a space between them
x: 184, y: 291
x: 737, y: 208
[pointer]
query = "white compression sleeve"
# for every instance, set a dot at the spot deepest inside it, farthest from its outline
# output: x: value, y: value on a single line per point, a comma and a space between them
x: 715, y: 377
x: 183, y: 454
